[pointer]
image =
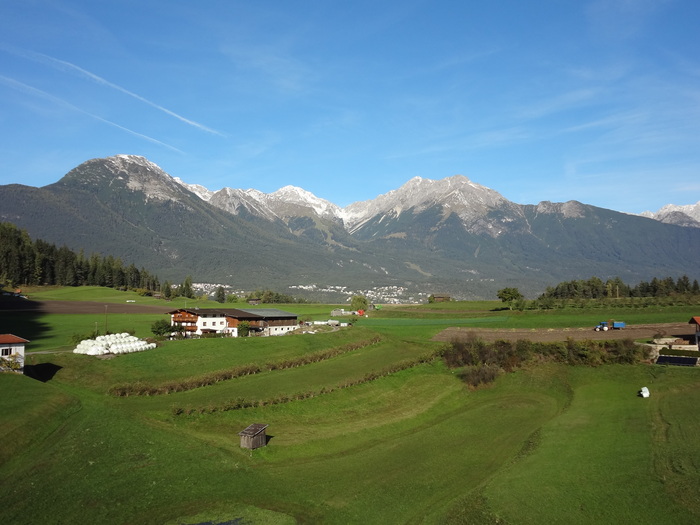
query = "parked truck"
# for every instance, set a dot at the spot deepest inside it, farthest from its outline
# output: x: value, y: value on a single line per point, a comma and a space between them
x: 609, y: 325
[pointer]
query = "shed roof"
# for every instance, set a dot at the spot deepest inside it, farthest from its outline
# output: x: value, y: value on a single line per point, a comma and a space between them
x: 253, y: 430
x: 695, y: 320
x: 268, y: 313
x: 239, y: 313
x: 9, y: 339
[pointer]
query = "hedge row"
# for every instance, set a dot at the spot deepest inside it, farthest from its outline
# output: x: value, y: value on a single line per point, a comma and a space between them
x: 144, y: 389
x: 241, y: 403
x: 483, y: 362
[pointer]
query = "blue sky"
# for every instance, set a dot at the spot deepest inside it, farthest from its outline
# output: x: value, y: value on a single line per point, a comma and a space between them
x: 556, y: 100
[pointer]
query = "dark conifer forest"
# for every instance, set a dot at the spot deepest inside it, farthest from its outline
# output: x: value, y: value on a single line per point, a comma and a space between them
x: 24, y: 261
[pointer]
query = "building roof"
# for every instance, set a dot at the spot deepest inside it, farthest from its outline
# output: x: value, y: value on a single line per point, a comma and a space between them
x: 268, y: 313
x: 239, y: 313
x: 9, y: 339
x: 695, y: 320
x: 252, y: 430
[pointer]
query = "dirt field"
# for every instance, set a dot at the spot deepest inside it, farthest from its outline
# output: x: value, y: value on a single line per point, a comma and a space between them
x: 635, y: 332
x: 79, y: 307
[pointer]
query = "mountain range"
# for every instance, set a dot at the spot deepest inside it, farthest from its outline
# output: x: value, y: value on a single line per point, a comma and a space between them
x: 433, y: 236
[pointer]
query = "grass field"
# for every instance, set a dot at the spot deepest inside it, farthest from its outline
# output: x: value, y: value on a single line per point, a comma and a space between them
x: 552, y: 443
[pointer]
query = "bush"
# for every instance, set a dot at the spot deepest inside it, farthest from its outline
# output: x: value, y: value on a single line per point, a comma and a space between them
x: 161, y: 327
x: 479, y: 375
x: 75, y: 339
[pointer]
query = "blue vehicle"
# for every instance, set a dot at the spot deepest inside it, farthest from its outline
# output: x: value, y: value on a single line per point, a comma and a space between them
x: 610, y: 325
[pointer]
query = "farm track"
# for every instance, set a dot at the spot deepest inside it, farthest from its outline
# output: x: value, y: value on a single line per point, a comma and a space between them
x: 635, y: 332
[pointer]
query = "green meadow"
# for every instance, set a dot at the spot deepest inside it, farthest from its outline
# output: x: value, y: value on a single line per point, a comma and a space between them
x: 378, y: 430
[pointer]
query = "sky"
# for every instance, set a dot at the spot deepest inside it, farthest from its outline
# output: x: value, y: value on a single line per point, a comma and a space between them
x: 596, y: 101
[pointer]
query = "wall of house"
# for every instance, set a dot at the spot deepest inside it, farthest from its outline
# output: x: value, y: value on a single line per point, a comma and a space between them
x: 206, y: 322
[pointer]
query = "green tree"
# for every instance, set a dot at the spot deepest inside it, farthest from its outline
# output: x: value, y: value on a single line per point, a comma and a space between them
x: 161, y: 327
x: 186, y: 289
x: 220, y: 295
x: 358, y: 302
x: 509, y: 296
x: 166, y: 290
x: 243, y: 328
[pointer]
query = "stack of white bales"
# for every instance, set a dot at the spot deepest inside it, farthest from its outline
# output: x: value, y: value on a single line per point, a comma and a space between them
x: 112, y: 344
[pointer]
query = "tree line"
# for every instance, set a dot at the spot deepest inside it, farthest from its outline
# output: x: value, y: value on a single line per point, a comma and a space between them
x: 595, y: 288
x: 24, y: 261
x: 613, y: 292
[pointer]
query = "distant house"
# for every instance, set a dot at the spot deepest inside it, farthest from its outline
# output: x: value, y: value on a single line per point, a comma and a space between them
x: 253, y: 436
x: 12, y: 349
x: 262, y: 321
x: 696, y: 321
x: 441, y: 298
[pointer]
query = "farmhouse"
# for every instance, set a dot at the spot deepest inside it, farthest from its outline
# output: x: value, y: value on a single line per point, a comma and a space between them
x: 262, y: 321
x: 12, y: 351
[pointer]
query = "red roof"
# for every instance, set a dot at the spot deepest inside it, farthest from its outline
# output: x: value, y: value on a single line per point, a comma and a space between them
x: 694, y: 320
x: 9, y: 339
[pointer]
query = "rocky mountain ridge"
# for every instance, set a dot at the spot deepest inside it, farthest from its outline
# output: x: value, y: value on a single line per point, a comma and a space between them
x: 456, y: 194
x: 681, y: 215
x: 444, y: 236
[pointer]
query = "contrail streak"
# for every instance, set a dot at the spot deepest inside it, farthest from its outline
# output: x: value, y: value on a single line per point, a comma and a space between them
x: 64, y: 65
x: 19, y: 86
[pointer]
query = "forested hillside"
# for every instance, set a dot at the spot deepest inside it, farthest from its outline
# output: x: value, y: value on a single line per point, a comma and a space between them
x: 36, y: 262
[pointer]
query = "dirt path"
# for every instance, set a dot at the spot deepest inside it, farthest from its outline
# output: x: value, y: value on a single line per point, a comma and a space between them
x: 641, y: 331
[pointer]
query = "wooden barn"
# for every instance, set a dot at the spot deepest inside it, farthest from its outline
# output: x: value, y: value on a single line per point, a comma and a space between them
x: 253, y: 436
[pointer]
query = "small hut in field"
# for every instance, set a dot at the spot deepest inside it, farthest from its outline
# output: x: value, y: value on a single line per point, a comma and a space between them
x: 253, y: 436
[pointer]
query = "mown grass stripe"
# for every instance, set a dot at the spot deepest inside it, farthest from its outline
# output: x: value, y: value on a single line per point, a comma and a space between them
x: 143, y: 389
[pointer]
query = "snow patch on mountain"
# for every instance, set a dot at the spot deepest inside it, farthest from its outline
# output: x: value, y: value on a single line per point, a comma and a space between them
x: 456, y: 194
x: 301, y: 197
x: 137, y: 173
x: 199, y: 190
x: 680, y: 215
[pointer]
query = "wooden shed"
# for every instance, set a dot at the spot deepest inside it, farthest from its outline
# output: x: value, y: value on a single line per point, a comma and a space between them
x: 253, y: 436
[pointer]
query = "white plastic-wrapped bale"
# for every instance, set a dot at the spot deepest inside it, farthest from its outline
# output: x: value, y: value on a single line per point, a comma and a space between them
x: 113, y: 344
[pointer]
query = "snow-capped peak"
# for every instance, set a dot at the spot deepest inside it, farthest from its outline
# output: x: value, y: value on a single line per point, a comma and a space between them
x: 296, y: 195
x: 199, y: 190
x: 457, y: 194
x: 681, y: 215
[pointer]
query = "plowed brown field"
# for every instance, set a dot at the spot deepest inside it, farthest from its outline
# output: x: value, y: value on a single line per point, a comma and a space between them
x: 635, y: 332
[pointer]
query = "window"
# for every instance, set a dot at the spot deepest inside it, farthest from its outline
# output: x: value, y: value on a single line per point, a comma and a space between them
x: 204, y: 323
x: 6, y: 351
